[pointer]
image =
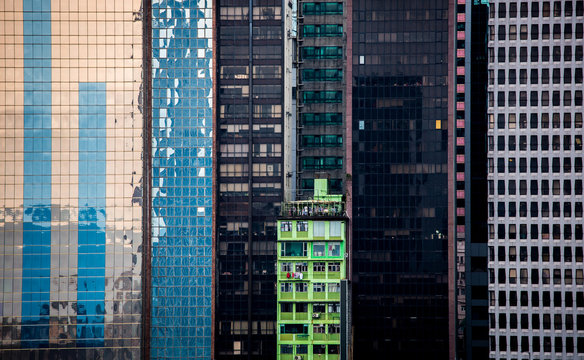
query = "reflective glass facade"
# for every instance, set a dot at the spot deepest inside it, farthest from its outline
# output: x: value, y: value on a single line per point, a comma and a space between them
x: 182, y: 124
x: 400, y: 178
x: 70, y: 179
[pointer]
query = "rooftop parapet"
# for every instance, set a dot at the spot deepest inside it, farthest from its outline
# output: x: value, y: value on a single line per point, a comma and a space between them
x: 313, y: 208
x: 322, y: 205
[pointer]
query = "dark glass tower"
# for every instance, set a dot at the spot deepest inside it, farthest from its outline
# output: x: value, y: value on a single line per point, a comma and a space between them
x: 249, y: 175
x: 400, y: 120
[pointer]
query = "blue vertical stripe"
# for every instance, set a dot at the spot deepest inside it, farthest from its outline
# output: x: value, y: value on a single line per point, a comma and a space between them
x: 36, y: 238
x: 91, y: 241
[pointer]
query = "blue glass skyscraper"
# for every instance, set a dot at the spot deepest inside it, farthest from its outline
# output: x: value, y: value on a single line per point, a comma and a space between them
x: 182, y: 125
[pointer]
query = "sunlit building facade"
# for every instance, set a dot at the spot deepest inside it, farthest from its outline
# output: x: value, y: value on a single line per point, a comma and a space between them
x: 71, y: 127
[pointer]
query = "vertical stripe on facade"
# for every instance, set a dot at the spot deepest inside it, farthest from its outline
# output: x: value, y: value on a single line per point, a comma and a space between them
x: 36, y: 252
x: 91, y: 242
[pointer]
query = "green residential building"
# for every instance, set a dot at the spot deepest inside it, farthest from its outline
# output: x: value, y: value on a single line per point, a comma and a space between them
x: 311, y: 265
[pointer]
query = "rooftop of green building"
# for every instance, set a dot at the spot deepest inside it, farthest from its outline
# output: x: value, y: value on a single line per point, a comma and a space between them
x: 322, y: 205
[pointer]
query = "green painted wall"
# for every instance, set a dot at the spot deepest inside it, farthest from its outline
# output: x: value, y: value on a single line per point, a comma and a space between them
x: 320, y: 248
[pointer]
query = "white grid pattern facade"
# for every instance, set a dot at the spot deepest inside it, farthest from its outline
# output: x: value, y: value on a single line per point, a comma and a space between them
x: 535, y: 190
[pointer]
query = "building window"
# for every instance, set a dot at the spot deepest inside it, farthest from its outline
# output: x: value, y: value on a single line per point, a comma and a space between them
x: 333, y: 267
x: 334, y: 328
x: 334, y: 249
x: 286, y: 226
x: 319, y: 287
x: 318, y: 329
x: 334, y: 287
x: 318, y: 249
x: 334, y: 349
x: 319, y: 308
x: 301, y: 287
x: 319, y: 349
x: 301, y: 349
x: 323, y: 30
x: 335, y: 228
x: 286, y: 349
x: 302, y: 226
x: 322, y: 74
x: 318, y: 230
x: 334, y: 308
x: 318, y: 267
x: 322, y: 52
x: 322, y: 8
x: 296, y: 248
x: 294, y: 329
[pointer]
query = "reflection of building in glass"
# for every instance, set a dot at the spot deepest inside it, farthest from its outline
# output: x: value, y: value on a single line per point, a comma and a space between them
x: 182, y: 193
x: 71, y: 179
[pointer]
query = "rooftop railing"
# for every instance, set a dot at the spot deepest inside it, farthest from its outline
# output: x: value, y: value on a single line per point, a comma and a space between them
x: 309, y: 208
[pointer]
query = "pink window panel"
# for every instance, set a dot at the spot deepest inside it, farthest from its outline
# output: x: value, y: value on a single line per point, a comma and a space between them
x: 460, y: 159
x: 461, y: 2
x: 460, y: 70
x: 459, y: 211
x: 460, y: 35
x: 460, y: 88
x: 460, y: 105
x: 460, y: 141
x: 460, y: 53
x: 461, y: 17
x: 459, y: 176
x: 460, y: 229
x: 460, y: 124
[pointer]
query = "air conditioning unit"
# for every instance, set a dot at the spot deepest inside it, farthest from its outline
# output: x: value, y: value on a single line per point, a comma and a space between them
x: 315, y: 315
x: 298, y: 357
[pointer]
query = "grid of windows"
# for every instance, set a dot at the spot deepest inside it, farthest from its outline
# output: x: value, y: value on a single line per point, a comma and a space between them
x: 400, y: 182
x: 321, y: 97
x: 250, y: 157
x: 182, y: 144
x: 70, y: 179
x: 535, y: 178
